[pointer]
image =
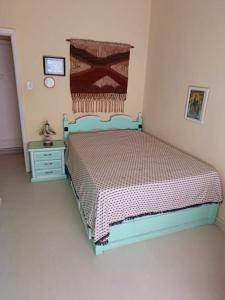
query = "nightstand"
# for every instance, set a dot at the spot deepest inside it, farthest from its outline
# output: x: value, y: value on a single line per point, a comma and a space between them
x: 47, y: 163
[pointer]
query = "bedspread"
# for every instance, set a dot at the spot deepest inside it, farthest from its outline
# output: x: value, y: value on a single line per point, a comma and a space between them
x: 125, y: 173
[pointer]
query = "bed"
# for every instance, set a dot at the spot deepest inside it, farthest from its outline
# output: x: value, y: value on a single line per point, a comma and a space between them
x: 131, y: 186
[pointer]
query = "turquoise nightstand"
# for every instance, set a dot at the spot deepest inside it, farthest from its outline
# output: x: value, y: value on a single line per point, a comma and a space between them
x: 47, y: 163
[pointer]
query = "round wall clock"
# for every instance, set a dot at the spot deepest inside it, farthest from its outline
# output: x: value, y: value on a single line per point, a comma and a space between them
x: 49, y: 82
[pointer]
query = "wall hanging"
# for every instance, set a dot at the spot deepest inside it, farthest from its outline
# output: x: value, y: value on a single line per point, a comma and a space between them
x: 54, y: 65
x: 98, y: 75
x: 49, y: 82
x: 196, y: 103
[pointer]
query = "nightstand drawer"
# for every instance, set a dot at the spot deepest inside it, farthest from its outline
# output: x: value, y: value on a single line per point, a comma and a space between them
x: 49, y: 173
x: 47, y: 164
x: 47, y: 155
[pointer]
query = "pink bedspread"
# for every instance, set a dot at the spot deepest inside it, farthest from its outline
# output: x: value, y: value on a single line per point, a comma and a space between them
x: 124, y: 173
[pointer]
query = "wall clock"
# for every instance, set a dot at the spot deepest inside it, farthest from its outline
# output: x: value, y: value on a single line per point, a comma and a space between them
x: 49, y: 82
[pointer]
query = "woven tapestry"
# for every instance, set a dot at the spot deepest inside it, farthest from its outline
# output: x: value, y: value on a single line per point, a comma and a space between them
x: 98, y: 75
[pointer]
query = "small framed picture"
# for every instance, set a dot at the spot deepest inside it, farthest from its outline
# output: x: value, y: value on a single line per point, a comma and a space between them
x: 196, y: 104
x: 54, y: 65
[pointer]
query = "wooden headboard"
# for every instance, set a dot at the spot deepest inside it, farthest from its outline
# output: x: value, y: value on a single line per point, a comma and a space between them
x: 89, y: 123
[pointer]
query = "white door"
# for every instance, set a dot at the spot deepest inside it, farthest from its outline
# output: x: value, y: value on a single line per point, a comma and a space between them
x: 10, y: 130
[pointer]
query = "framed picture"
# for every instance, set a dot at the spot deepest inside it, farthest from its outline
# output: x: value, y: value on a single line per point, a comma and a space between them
x: 196, y: 104
x: 54, y: 65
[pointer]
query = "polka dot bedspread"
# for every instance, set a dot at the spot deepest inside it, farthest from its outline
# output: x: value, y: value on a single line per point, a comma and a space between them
x: 119, y: 174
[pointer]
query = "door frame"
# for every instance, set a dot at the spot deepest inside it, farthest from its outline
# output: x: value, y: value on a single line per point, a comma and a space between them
x: 12, y: 34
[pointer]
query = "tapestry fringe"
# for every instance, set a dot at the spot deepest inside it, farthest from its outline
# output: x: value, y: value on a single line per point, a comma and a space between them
x: 85, y: 103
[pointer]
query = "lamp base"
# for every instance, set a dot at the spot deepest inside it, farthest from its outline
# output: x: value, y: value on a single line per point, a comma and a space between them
x: 48, y: 143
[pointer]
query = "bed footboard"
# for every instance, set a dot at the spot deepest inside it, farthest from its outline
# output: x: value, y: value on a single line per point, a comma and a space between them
x: 147, y: 227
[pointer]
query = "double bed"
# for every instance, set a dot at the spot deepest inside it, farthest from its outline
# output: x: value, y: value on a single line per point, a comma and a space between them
x: 131, y: 186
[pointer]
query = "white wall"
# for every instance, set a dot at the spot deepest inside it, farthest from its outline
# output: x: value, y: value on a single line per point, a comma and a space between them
x: 10, y: 131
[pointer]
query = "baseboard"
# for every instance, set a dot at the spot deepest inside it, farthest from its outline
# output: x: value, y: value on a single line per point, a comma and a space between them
x: 11, y: 150
x: 220, y: 223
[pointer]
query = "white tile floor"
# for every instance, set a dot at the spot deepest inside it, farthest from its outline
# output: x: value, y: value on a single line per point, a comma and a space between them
x: 44, y: 254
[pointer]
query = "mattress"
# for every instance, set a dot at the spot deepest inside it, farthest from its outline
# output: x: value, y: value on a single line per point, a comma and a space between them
x: 122, y: 174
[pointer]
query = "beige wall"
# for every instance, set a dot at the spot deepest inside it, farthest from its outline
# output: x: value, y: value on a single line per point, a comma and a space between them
x: 187, y: 47
x: 42, y: 28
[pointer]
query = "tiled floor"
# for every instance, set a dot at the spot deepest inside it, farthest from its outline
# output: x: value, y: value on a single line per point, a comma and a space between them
x: 44, y: 254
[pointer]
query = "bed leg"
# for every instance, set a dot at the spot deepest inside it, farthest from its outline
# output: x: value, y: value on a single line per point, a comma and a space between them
x: 98, y: 250
x: 212, y: 212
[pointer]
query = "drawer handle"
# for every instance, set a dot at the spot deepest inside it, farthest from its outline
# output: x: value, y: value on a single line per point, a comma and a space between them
x: 48, y: 154
x: 48, y: 164
x: 49, y: 172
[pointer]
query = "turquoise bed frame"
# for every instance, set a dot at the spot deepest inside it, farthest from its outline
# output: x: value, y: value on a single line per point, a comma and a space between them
x: 140, y: 228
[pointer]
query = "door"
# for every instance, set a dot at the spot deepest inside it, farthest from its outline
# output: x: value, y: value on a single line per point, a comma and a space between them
x: 10, y: 129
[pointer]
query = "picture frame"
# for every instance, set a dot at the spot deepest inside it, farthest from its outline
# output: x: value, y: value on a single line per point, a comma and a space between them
x: 196, y: 104
x: 54, y: 65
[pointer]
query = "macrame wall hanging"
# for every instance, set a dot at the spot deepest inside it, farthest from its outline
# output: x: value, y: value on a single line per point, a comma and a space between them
x: 98, y: 75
